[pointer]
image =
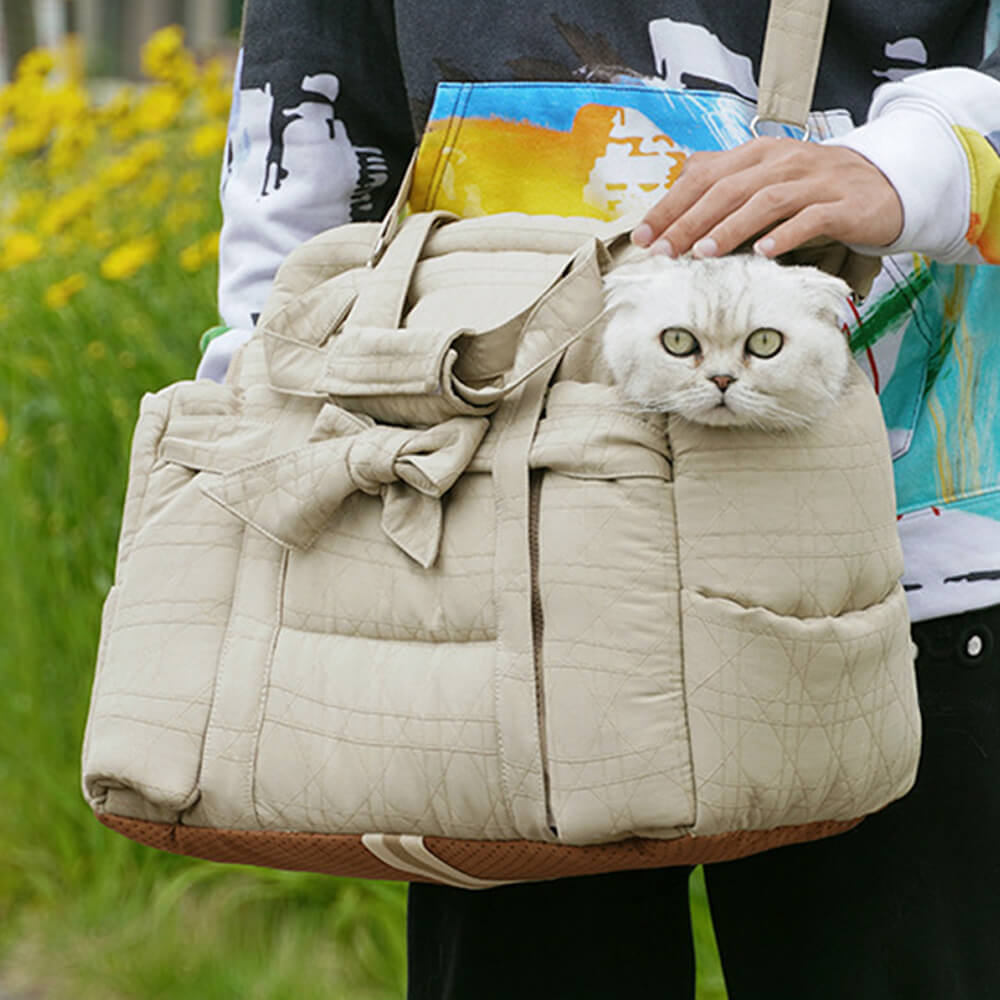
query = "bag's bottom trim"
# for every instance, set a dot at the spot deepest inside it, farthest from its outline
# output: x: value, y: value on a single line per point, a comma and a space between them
x: 458, y: 862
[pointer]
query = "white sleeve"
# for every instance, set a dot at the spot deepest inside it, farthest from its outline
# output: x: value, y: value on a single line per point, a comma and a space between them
x: 936, y: 137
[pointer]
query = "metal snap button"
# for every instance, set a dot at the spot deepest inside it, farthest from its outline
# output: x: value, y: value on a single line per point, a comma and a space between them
x: 975, y: 647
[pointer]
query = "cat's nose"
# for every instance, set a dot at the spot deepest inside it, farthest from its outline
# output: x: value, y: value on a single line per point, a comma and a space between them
x: 722, y: 381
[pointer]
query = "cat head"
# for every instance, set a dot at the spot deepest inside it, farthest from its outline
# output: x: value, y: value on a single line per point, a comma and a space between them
x: 730, y: 341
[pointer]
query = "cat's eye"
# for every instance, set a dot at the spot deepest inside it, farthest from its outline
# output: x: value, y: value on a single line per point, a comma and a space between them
x: 679, y: 342
x: 764, y: 343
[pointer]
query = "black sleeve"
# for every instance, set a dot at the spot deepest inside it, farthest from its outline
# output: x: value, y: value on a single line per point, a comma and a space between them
x: 320, y: 135
x: 287, y: 44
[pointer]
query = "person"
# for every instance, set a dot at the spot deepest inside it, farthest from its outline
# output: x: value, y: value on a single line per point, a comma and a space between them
x: 328, y: 101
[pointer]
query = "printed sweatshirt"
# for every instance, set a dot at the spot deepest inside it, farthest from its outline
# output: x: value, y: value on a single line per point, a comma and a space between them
x: 329, y: 100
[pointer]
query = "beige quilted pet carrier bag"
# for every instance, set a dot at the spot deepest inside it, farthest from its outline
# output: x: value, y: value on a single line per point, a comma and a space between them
x: 416, y: 596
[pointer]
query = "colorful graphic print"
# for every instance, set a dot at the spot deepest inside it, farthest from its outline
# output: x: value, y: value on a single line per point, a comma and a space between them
x: 597, y: 150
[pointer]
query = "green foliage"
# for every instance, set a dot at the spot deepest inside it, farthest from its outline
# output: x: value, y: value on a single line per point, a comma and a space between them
x: 83, y: 912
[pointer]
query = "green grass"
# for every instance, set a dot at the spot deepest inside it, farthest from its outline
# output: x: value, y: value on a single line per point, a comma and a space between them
x: 84, y: 913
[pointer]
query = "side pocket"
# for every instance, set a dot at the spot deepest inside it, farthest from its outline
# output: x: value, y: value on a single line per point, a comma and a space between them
x: 162, y: 630
x: 796, y: 720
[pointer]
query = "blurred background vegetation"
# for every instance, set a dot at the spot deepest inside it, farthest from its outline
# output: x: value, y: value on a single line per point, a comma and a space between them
x: 109, y: 225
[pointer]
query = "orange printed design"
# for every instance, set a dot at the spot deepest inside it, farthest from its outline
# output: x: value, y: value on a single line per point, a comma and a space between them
x: 612, y: 161
x: 984, y: 173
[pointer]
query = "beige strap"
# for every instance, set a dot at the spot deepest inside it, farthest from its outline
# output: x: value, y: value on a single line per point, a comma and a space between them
x: 518, y: 686
x: 413, y: 376
x: 790, y: 61
x: 408, y: 853
x: 381, y: 298
x: 392, y: 219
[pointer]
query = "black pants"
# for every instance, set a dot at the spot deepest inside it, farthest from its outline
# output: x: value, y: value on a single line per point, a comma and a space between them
x: 905, y: 907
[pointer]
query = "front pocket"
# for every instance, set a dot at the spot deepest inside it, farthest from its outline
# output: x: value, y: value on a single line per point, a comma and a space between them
x: 616, y: 736
x: 796, y: 720
x: 608, y: 643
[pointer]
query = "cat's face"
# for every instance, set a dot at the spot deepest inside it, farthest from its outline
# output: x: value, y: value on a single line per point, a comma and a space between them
x: 731, y: 341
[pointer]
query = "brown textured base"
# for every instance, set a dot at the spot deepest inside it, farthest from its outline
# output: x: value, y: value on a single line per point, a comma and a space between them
x: 510, y: 860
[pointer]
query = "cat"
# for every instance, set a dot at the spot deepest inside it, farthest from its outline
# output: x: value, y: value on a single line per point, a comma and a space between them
x: 733, y: 341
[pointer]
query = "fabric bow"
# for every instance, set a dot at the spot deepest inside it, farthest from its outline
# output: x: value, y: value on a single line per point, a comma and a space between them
x: 290, y: 497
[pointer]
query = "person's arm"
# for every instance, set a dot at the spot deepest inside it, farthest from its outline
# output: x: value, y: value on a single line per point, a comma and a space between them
x: 319, y: 135
x: 923, y: 174
x: 936, y: 137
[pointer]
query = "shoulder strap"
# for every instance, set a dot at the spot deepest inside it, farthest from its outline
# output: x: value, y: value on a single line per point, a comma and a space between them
x: 790, y: 60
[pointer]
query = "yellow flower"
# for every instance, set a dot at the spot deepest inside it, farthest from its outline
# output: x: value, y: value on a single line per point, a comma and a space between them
x: 67, y: 208
x: 66, y: 102
x: 161, y: 51
x: 196, y: 255
x: 27, y: 137
x: 4, y: 429
x: 158, y: 109
x: 210, y: 245
x: 165, y: 58
x: 72, y: 140
x: 27, y: 206
x: 36, y: 63
x: 125, y: 129
x: 209, y: 140
x: 190, y: 257
x: 59, y: 294
x: 96, y: 350
x: 130, y: 257
x: 19, y: 248
x: 120, y: 172
x: 215, y: 91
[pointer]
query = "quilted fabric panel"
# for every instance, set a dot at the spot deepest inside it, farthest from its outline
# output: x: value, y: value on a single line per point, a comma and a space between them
x: 242, y: 668
x: 615, y: 720
x: 477, y: 289
x: 796, y: 719
x: 157, y: 660
x: 360, y: 735
x: 379, y: 592
x: 802, y: 522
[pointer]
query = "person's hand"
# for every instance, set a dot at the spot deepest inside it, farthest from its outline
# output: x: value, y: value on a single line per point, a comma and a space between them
x: 801, y: 189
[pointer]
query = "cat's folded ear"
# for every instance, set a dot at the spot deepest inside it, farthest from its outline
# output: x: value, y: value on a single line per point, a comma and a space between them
x: 829, y: 294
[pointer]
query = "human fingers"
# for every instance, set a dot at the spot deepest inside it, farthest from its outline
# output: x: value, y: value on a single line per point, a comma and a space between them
x: 701, y: 173
x: 735, y: 210
x: 780, y: 179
